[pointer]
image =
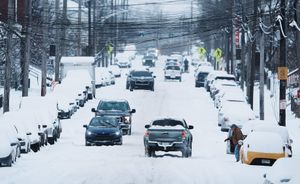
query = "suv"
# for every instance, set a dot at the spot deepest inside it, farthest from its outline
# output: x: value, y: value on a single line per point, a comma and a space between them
x: 140, y: 79
x: 173, y: 72
x: 118, y: 108
x: 149, y: 60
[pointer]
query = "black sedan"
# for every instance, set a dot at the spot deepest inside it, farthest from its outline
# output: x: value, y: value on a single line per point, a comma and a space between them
x: 140, y: 79
x: 103, y: 130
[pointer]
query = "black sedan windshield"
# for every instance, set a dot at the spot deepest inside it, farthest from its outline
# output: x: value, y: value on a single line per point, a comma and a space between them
x: 104, y: 122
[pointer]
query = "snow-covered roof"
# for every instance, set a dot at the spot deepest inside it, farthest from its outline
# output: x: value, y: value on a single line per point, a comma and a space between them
x: 77, y: 60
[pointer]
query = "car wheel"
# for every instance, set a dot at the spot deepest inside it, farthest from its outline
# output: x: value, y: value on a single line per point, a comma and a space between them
x: 186, y: 152
x: 120, y: 142
x: 129, y: 131
x: 149, y: 152
x: 51, y: 140
x: 87, y: 144
x: 152, y: 89
x: 35, y: 147
x: 180, y: 79
x: 127, y: 86
x: 10, y: 161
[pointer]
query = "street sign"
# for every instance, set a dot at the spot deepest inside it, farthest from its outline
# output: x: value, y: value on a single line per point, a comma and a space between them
x: 110, y: 49
x: 282, y: 73
x: 218, y: 54
x: 202, y: 51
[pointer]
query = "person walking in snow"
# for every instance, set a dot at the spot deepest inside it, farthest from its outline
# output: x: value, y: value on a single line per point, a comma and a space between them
x: 235, y: 137
x: 186, y: 65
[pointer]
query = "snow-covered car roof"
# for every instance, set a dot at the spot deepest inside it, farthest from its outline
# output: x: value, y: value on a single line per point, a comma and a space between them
x: 285, y: 169
x: 242, y: 112
x: 280, y: 130
x: 250, y: 125
x: 264, y: 142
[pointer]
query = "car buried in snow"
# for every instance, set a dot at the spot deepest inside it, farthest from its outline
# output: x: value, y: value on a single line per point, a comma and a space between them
x: 262, y: 148
x: 168, y: 134
x: 103, y: 130
x: 119, y: 109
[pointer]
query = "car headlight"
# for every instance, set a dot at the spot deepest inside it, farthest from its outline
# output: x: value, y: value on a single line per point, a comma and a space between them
x: 117, y: 133
x: 127, y: 119
x: 89, y: 133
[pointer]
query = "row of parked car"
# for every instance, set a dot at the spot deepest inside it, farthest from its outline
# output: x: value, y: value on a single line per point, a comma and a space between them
x: 264, y: 141
x: 28, y: 129
x: 105, y: 76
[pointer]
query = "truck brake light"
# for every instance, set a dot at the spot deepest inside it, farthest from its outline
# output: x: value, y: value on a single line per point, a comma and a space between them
x: 183, y: 134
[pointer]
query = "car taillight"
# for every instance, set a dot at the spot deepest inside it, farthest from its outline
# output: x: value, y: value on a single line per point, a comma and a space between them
x: 183, y: 134
x: 146, y: 134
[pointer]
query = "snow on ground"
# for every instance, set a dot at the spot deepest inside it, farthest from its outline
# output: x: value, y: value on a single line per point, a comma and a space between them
x: 69, y: 161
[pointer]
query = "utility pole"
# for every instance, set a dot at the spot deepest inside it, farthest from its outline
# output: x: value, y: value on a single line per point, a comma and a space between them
x: 297, y: 19
x: 64, y: 24
x: 89, y: 49
x: 252, y: 64
x: 282, y: 64
x: 7, y: 74
x: 79, y: 29
x: 262, y: 77
x: 45, y: 56
x: 57, y: 39
x: 233, y: 47
x: 25, y: 48
x: 243, y: 48
x: 227, y: 50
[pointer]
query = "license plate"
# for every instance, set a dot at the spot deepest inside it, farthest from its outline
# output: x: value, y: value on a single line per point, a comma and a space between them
x: 165, y: 144
x: 265, y: 161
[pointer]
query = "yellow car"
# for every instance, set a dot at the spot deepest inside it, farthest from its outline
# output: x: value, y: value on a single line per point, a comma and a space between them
x: 262, y: 148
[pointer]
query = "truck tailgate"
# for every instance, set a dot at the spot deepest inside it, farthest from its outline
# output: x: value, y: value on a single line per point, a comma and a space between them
x: 163, y: 135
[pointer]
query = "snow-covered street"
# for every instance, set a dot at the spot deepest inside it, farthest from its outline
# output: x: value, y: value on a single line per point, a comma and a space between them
x: 70, y: 161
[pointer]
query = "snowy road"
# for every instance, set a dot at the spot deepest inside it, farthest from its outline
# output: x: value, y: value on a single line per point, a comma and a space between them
x: 69, y: 161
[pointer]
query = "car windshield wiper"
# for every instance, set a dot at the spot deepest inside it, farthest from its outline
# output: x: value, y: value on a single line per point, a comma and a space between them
x: 107, y: 123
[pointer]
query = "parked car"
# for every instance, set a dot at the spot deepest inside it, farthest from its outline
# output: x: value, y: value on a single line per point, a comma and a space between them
x: 281, y: 131
x: 248, y: 127
x: 210, y: 77
x: 200, y: 75
x: 234, y: 112
x: 11, y: 144
x: 172, y: 72
x: 284, y: 170
x: 140, y: 79
x: 229, y: 93
x: 115, y: 70
x: 168, y: 134
x: 103, y: 130
x: 23, y: 134
x: 262, y: 148
x: 103, y: 77
x: 7, y: 151
x: 119, y: 109
x: 46, y: 116
x: 217, y: 85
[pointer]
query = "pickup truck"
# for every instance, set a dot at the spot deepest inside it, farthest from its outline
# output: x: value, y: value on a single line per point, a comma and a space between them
x: 168, y: 134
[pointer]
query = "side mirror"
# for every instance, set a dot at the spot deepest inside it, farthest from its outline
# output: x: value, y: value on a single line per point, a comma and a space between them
x: 94, y: 110
x: 84, y: 126
x: 13, y: 144
x: 28, y: 133
x: 71, y: 103
x: 191, y: 127
x: 44, y: 126
x: 133, y: 111
x: 154, y: 76
x: 147, y: 126
x: 265, y: 175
